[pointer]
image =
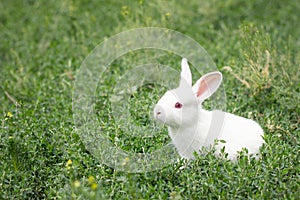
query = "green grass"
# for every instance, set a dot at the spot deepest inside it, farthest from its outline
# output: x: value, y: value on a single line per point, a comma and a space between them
x: 255, y: 44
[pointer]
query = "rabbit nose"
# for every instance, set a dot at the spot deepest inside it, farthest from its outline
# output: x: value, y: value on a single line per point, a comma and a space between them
x: 158, y: 112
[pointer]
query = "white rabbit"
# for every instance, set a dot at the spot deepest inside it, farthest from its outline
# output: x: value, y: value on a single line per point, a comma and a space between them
x: 191, y: 127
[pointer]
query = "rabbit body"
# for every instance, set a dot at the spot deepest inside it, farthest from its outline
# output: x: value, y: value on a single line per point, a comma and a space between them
x: 237, y: 132
x: 240, y: 132
x: 191, y: 127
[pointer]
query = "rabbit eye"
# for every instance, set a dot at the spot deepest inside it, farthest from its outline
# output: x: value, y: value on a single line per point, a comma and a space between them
x: 178, y: 105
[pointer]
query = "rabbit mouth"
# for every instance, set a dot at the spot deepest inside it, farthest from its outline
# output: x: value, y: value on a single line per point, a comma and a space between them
x: 161, y: 120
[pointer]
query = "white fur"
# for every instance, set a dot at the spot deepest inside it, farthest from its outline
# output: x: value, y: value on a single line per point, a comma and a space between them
x: 191, y: 127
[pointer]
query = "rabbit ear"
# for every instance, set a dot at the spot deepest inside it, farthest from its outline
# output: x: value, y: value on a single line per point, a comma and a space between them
x: 186, y: 72
x: 207, y: 85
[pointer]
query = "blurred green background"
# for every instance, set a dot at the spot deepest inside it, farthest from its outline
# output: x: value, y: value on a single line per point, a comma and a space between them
x: 255, y: 44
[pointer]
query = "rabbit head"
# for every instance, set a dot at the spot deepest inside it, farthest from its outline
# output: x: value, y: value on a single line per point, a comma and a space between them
x: 180, y: 106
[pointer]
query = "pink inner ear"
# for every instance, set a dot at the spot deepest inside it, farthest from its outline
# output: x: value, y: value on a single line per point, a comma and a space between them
x: 202, y: 88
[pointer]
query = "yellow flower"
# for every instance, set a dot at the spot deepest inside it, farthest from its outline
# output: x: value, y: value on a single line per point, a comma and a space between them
x: 168, y: 14
x: 126, y: 160
x: 68, y: 164
x: 91, y: 180
x: 76, y: 184
x: 125, y: 10
x: 94, y: 186
x: 9, y: 114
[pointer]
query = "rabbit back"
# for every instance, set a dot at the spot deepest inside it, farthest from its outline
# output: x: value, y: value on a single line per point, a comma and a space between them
x: 238, y: 133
